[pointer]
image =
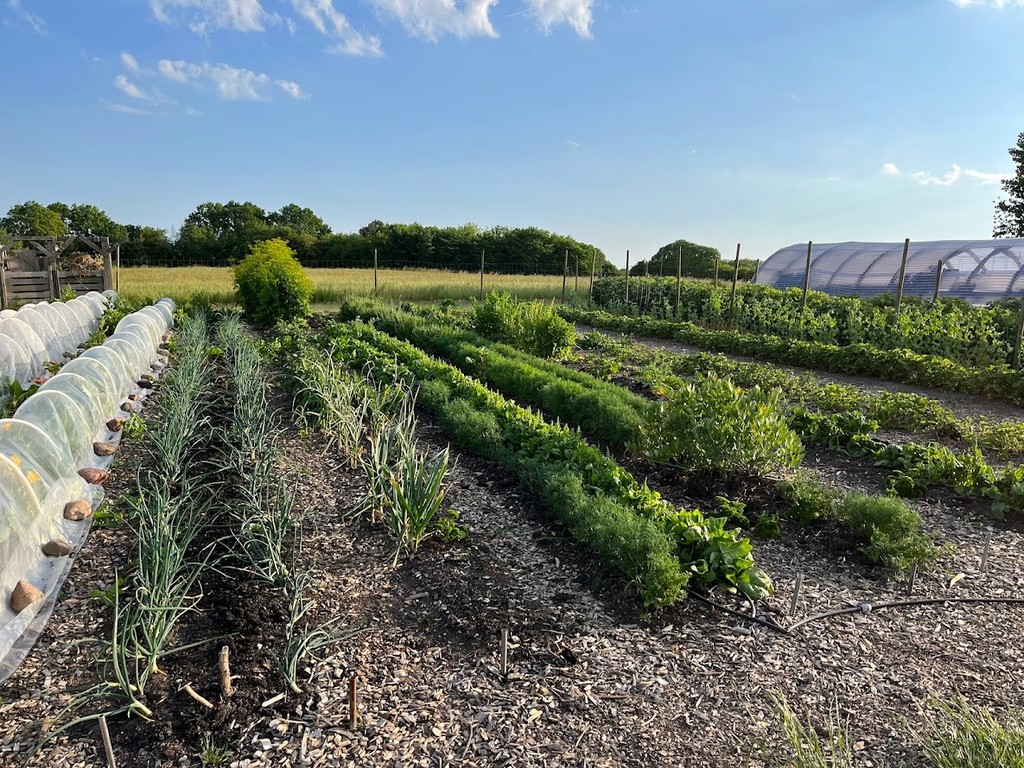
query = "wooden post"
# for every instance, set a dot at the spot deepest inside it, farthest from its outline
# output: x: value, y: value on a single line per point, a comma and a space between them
x: 627, y: 278
x: 375, y: 270
x: 117, y: 274
x: 593, y: 268
x: 565, y: 273
x: 576, y: 285
x: 938, y: 281
x: 903, y: 275
x: 661, y: 267
x: 482, y: 252
x: 679, y: 279
x: 108, y: 270
x: 732, y: 293
x: 807, y: 276
x: 716, y: 272
x: 757, y: 269
x: 1020, y: 336
x: 353, y: 704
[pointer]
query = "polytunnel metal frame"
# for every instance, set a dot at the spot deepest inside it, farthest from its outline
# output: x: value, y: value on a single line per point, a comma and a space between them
x: 852, y: 268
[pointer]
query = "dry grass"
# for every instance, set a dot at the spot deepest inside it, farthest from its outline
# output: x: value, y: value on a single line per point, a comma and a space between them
x: 332, y: 285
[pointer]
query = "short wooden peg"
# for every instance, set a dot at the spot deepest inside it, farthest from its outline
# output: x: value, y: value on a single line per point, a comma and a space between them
x: 796, y: 594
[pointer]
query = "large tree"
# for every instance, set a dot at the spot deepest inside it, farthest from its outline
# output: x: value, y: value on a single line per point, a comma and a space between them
x: 300, y: 220
x: 87, y: 219
x: 32, y: 218
x: 1010, y: 213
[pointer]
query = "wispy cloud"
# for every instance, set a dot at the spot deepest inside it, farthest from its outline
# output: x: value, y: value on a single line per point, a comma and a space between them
x: 949, y: 178
x: 126, y: 110
x: 230, y: 83
x: 329, y: 21
x: 203, y: 15
x: 989, y: 3
x: 29, y: 18
x: 578, y: 14
x: 128, y: 88
x: 432, y: 19
x: 130, y: 62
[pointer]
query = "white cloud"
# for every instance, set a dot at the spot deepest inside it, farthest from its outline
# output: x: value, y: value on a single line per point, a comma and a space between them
x: 578, y: 14
x: 130, y: 62
x: 29, y: 18
x: 989, y: 3
x: 231, y: 83
x: 129, y: 88
x: 949, y: 178
x: 890, y: 169
x: 329, y: 21
x: 203, y: 15
x: 986, y: 178
x: 126, y: 110
x: 433, y: 18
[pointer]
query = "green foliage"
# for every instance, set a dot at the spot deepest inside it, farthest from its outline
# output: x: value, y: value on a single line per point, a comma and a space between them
x: 919, y: 467
x: 627, y: 524
x: 809, y: 750
x: 998, y: 381
x: 532, y: 326
x: 767, y: 527
x: 447, y: 527
x: 891, y: 530
x: 1010, y: 212
x: 271, y: 284
x: 32, y: 218
x: 711, y: 425
x: 962, y: 736
x: 134, y: 427
x: 808, y: 499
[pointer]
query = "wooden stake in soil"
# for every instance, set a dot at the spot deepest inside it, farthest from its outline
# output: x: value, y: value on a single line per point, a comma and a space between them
x: 757, y: 269
x: 796, y: 594
x: 732, y: 294
x: 503, y: 665
x: 903, y: 276
x: 593, y: 268
x: 985, y: 553
x: 108, y: 747
x: 565, y: 273
x: 717, y: 261
x: 576, y: 285
x: 807, y: 277
x: 627, y: 279
x: 225, y: 671
x: 191, y: 692
x: 353, y: 704
x: 482, y: 252
x: 679, y: 279
x: 911, y: 578
x: 375, y: 270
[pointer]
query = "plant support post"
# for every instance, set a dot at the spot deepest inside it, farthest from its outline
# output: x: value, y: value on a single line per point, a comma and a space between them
x: 627, y: 277
x: 565, y: 273
x: 903, y: 276
x: 576, y: 285
x: 807, y: 276
x: 482, y: 252
x: 375, y: 270
x: 938, y: 281
x: 593, y: 267
x: 732, y: 293
x: 679, y: 279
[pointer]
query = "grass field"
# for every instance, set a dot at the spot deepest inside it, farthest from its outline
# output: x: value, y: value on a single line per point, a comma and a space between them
x: 332, y: 285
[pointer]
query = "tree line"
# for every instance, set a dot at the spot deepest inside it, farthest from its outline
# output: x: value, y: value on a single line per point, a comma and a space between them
x: 220, y: 234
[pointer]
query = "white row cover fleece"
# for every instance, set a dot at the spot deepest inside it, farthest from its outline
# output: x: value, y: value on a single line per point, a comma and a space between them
x: 42, y: 447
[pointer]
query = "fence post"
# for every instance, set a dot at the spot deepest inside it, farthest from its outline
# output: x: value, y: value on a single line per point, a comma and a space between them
x: 565, y: 273
x: 117, y: 274
x: 757, y: 269
x: 938, y: 281
x: 627, y: 278
x: 903, y: 276
x: 807, y: 276
x: 374, y: 271
x: 482, y: 252
x: 679, y: 278
x: 593, y: 268
x: 576, y: 285
x: 732, y: 293
x: 716, y: 272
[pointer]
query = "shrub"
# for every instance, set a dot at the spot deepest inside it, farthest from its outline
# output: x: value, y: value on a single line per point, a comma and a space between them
x: 711, y: 425
x: 271, y: 284
x: 535, y: 327
x: 809, y: 500
x: 891, y: 529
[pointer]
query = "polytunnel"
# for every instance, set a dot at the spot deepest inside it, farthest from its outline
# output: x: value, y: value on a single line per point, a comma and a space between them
x: 977, y: 271
x: 65, y: 427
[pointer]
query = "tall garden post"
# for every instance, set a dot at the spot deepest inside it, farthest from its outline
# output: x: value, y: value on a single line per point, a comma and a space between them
x: 807, y: 277
x: 482, y: 252
x: 757, y: 269
x: 565, y: 273
x: 375, y: 270
x: 732, y: 293
x: 903, y: 275
x: 627, y: 277
x: 679, y: 278
x: 938, y: 281
x: 117, y: 273
x: 716, y: 272
x: 593, y: 267
x: 1020, y: 337
x: 661, y: 267
x: 576, y: 285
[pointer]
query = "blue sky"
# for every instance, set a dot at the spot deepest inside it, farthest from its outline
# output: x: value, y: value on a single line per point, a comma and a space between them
x: 625, y: 124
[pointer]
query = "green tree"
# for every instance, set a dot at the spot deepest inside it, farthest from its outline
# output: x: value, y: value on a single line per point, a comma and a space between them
x: 32, y: 218
x: 1010, y: 213
x: 146, y: 246
x: 220, y: 233
x: 271, y: 284
x: 85, y: 219
x: 300, y: 220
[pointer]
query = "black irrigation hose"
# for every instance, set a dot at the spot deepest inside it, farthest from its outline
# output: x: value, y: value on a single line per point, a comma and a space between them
x: 862, y: 608
x: 868, y: 607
